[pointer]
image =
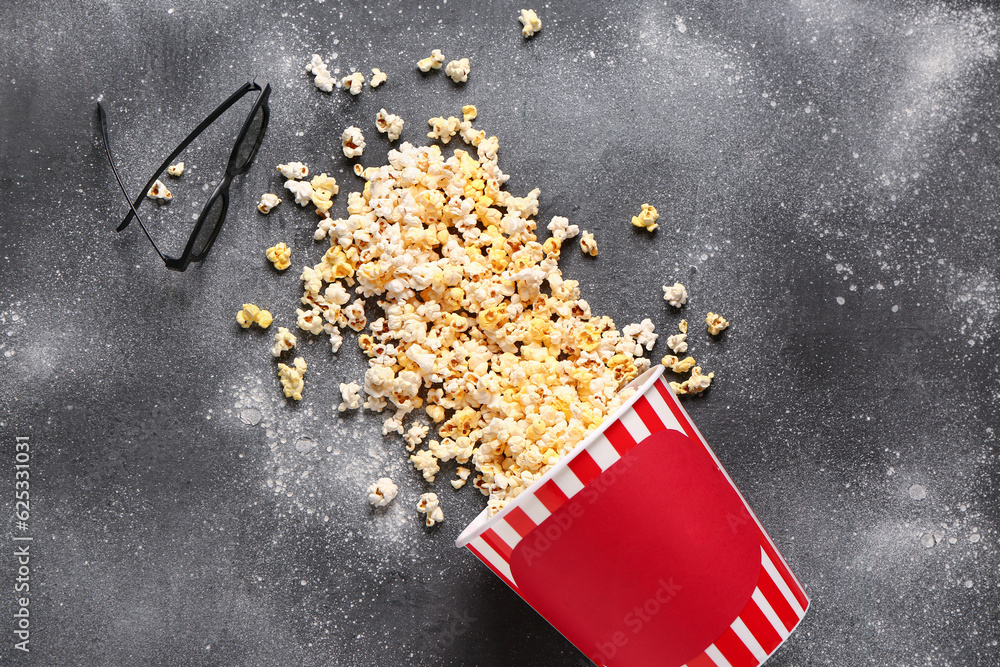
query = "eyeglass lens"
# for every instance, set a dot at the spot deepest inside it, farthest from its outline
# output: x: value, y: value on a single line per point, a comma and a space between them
x: 211, y: 222
x: 251, y: 139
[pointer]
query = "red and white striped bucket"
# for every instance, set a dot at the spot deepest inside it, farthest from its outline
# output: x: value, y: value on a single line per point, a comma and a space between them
x: 640, y: 550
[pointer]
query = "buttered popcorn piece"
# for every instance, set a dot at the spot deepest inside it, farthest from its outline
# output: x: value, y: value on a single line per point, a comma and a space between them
x: 463, y: 476
x: 291, y: 378
x: 458, y: 70
x: 676, y: 295
x: 279, y: 255
x: 695, y: 384
x: 293, y: 170
x: 382, y: 492
x: 430, y: 508
x: 716, y: 323
x: 323, y: 80
x: 250, y: 314
x: 378, y: 78
x: 443, y: 129
x: 529, y: 19
x: 388, y: 124
x: 469, y: 112
x: 301, y: 190
x: 350, y: 392
x: 176, y: 170
x: 678, y: 343
x: 264, y: 319
x: 647, y: 218
x: 284, y: 341
x: 267, y: 202
x: 353, y: 142
x: 588, y: 244
x: 678, y: 365
x: 159, y: 192
x: 353, y: 82
x: 433, y: 61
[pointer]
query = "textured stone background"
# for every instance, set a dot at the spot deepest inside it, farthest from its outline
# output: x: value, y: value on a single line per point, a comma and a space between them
x: 826, y: 174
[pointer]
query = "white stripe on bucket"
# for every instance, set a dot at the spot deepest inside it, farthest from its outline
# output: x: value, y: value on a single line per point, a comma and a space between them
x: 603, y: 452
x: 495, y: 559
x: 716, y: 655
x: 534, y: 508
x: 507, y: 534
x: 663, y: 410
x: 743, y: 632
x: 633, y: 422
x: 769, y: 613
x: 780, y: 583
x: 567, y: 480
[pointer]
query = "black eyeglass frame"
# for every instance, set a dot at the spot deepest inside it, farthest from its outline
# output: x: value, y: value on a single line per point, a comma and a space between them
x: 233, y: 168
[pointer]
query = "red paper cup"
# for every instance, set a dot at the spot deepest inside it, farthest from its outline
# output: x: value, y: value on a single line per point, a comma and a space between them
x: 640, y: 550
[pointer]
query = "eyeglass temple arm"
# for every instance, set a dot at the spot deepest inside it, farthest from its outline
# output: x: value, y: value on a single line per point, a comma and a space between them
x: 221, y: 109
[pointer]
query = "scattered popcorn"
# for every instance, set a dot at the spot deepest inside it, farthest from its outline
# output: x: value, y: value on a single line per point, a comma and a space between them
x: 463, y: 476
x: 293, y: 170
x: 324, y: 182
x: 323, y: 80
x: 176, y: 170
x: 458, y: 70
x: 561, y: 229
x: 388, y: 124
x: 443, y: 129
x: 159, y: 191
x: 532, y: 24
x: 353, y: 142
x: 695, y: 384
x: 676, y: 295
x: 267, y: 202
x: 682, y: 326
x: 716, y: 323
x: 639, y: 336
x: 588, y: 244
x: 469, y: 112
x: 647, y: 218
x: 302, y: 190
x: 291, y: 378
x: 430, y: 507
x: 351, y: 393
x: 353, y: 82
x: 284, y: 340
x: 378, y: 78
x: 250, y: 314
x: 279, y: 255
x: 678, y: 365
x: 358, y: 171
x: 678, y: 343
x: 382, y: 492
x: 415, y: 435
x: 434, y: 61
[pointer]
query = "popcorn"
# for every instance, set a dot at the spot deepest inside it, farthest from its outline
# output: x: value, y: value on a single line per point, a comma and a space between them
x: 458, y: 70
x: 291, y: 378
x: 323, y: 80
x: 378, y: 78
x: 388, y: 124
x: 293, y: 170
x: 532, y: 24
x: 279, y: 255
x: 415, y: 435
x: 463, y: 476
x: 695, y: 384
x: 284, y: 340
x: 678, y: 365
x: 358, y: 171
x: 683, y: 326
x: 434, y: 61
x: 176, y: 170
x: 353, y: 142
x: 324, y: 182
x: 716, y: 323
x: 443, y: 129
x: 678, y: 343
x: 469, y: 112
x: 426, y: 463
x: 250, y: 314
x: 647, y: 218
x: 676, y: 295
x: 309, y: 320
x: 267, y: 202
x: 642, y: 334
x: 350, y: 392
x: 561, y: 229
x: 302, y: 191
x: 353, y: 82
x: 382, y: 492
x: 159, y: 191
x: 588, y: 244
x: 430, y: 507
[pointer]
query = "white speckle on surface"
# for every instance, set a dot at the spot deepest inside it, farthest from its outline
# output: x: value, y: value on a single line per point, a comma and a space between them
x: 917, y: 492
x: 840, y: 300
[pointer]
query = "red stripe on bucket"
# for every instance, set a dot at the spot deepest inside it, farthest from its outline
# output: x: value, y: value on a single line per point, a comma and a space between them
x: 777, y: 600
x: 735, y: 651
x: 648, y: 415
x: 520, y: 522
x: 584, y: 467
x: 760, y: 627
x: 619, y: 437
x: 668, y: 398
x: 495, y: 541
x: 779, y: 564
x: 551, y: 496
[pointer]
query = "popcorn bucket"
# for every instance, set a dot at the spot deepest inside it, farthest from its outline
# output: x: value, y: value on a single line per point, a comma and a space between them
x: 640, y: 550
